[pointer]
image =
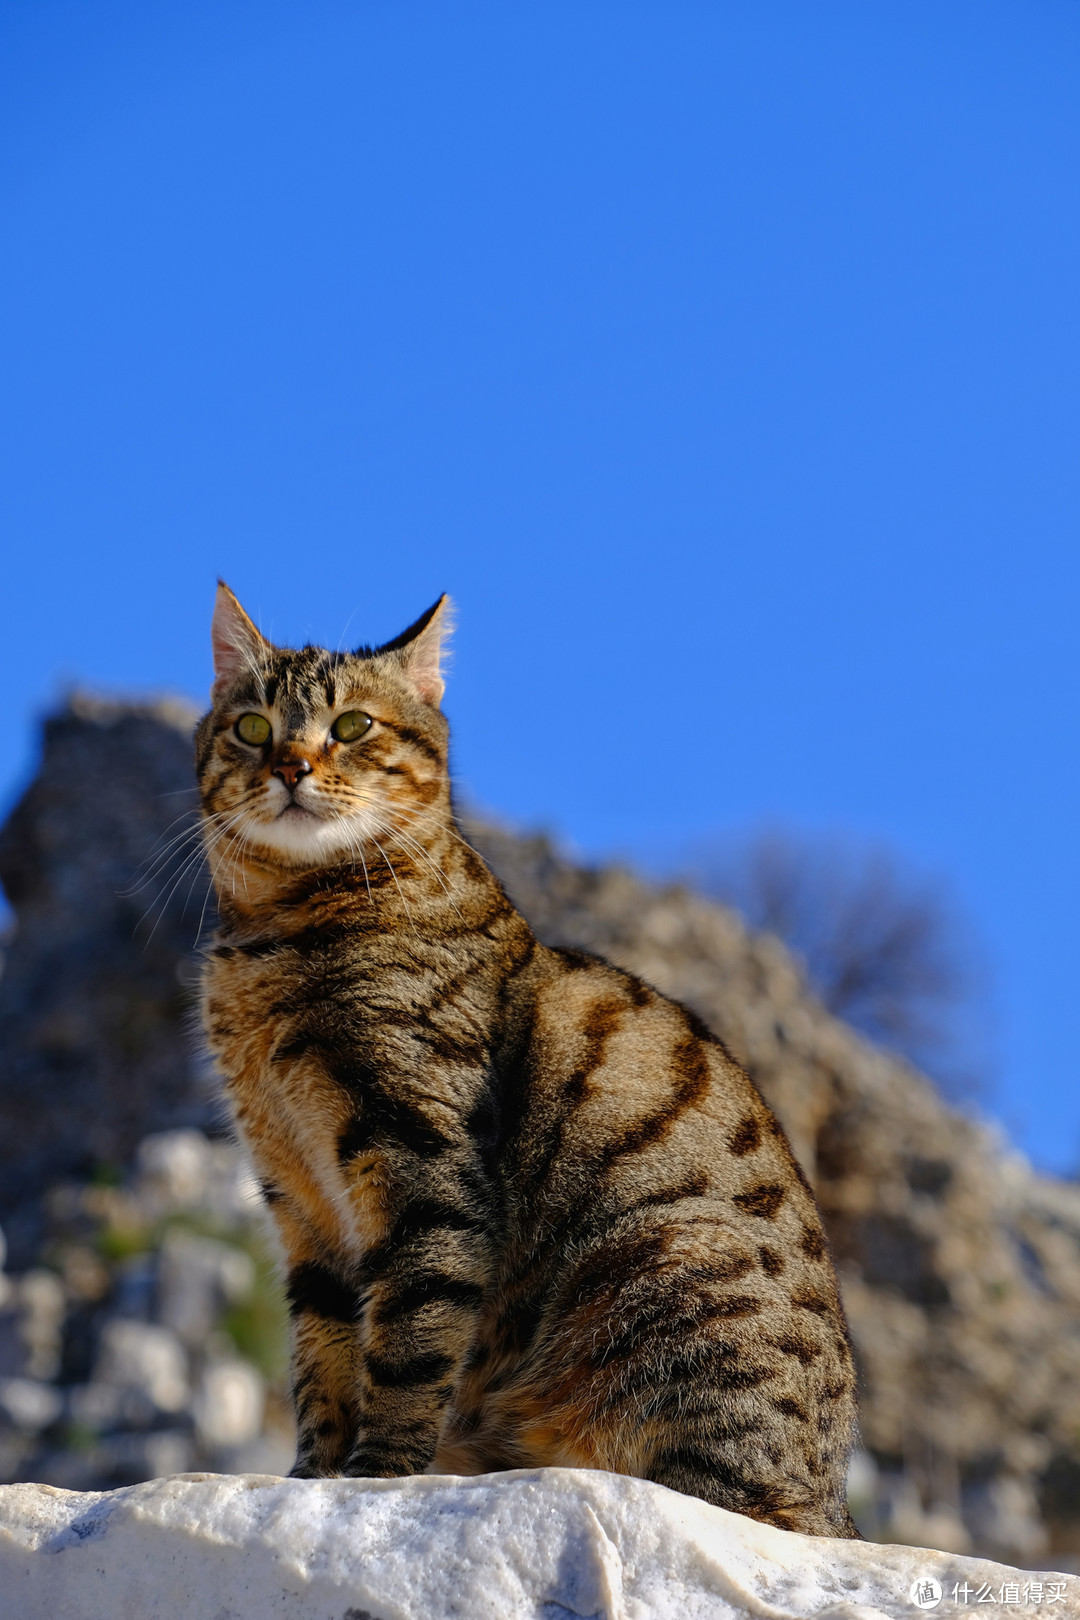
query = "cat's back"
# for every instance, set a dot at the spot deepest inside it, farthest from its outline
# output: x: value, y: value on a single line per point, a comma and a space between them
x: 668, y: 1304
x: 635, y: 1087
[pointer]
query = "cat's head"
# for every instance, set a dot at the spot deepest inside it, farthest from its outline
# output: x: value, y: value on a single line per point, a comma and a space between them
x: 308, y: 756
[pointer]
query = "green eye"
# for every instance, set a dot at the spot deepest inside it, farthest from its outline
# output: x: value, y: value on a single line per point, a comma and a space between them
x: 350, y: 725
x: 253, y: 729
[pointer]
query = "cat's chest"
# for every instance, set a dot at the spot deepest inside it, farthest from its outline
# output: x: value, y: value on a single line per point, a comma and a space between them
x: 289, y: 1106
x: 248, y: 1012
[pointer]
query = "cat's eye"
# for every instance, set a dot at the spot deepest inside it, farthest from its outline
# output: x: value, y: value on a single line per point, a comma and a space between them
x: 253, y: 729
x: 350, y: 725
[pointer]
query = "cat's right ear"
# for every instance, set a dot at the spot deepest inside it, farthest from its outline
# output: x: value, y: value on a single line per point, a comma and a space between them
x: 237, y: 644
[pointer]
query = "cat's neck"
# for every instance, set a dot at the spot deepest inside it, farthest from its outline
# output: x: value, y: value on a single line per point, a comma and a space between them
x: 386, y: 884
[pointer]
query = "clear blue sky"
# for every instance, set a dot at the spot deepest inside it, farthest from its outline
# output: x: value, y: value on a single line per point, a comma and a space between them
x: 721, y: 359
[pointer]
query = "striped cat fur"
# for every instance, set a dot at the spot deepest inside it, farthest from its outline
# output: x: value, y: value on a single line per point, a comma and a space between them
x: 532, y: 1212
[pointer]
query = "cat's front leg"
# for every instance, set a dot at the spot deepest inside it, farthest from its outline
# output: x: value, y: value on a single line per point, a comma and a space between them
x: 325, y: 1307
x: 425, y: 1286
x: 324, y: 1371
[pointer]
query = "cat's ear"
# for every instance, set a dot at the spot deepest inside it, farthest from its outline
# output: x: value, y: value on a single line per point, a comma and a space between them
x: 420, y: 651
x: 237, y: 644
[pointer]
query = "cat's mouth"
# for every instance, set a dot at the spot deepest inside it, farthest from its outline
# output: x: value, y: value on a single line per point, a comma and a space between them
x: 295, y: 812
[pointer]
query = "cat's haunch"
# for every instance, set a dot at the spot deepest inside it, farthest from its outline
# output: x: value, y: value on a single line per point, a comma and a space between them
x: 532, y: 1211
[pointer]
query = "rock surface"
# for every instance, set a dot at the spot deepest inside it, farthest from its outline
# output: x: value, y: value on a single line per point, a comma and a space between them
x: 529, y: 1545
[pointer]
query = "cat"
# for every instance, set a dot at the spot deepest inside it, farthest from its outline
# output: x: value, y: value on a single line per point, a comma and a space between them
x: 532, y: 1212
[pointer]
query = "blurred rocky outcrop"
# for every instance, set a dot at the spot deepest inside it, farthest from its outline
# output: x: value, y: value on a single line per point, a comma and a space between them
x: 960, y: 1265
x: 149, y: 1337
x: 96, y: 989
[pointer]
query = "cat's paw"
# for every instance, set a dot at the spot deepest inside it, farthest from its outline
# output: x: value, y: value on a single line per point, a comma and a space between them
x: 367, y: 1462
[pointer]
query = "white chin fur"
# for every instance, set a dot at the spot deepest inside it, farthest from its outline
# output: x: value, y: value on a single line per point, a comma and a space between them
x: 309, y: 840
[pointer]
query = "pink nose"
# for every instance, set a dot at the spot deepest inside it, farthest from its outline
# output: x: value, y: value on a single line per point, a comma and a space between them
x: 291, y: 770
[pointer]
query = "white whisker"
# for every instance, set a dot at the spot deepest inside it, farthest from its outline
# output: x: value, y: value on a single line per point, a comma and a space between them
x: 393, y: 874
x: 191, y: 862
x: 417, y: 850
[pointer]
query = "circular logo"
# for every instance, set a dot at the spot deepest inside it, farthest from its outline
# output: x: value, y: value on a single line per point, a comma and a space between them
x: 925, y: 1592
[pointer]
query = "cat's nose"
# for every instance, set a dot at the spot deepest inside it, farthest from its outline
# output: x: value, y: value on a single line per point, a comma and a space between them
x: 291, y: 770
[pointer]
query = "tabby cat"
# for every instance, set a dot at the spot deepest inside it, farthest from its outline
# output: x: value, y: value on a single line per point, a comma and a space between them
x: 532, y: 1211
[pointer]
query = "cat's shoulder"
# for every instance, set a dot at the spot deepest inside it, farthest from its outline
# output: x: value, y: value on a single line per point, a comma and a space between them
x: 580, y: 977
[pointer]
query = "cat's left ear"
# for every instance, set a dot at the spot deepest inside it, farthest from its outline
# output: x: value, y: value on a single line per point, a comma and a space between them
x: 421, y: 650
x: 238, y: 646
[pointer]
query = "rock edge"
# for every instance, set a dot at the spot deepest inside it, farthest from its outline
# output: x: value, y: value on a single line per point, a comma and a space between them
x: 544, y: 1544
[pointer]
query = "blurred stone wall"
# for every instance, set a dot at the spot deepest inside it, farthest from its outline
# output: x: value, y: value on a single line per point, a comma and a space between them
x: 149, y: 1337
x: 141, y: 1327
x: 95, y: 996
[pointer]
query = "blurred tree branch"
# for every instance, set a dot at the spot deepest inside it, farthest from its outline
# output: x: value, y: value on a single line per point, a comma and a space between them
x: 884, y: 948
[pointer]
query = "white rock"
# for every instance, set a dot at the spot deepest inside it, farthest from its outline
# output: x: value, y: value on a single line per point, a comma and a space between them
x: 29, y: 1404
x: 95, y: 1406
x: 271, y: 1452
x: 147, y: 1456
x: 1006, y: 1514
x: 173, y: 1169
x: 229, y: 1403
x: 197, y: 1276
x: 169, y: 1451
x: 530, y: 1545
x: 906, y: 1519
x: 143, y: 1360
x: 39, y: 1297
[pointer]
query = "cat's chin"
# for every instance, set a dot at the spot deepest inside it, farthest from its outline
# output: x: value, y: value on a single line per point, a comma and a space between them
x: 298, y: 838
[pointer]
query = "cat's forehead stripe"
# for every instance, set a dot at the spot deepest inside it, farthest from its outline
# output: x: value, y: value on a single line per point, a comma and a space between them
x: 305, y: 681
